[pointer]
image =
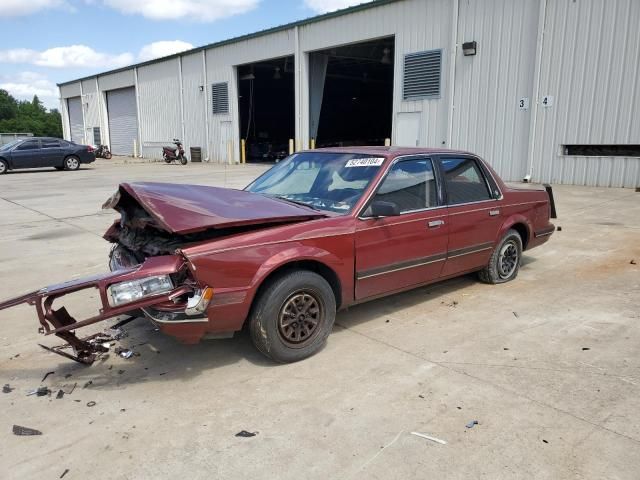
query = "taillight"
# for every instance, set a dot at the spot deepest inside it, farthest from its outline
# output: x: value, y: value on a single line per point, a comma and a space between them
x: 89, y: 148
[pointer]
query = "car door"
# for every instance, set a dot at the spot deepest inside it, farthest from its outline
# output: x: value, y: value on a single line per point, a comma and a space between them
x: 51, y: 153
x: 396, y: 252
x: 27, y: 154
x: 473, y: 206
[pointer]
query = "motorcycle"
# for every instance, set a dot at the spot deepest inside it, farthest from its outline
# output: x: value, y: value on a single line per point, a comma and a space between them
x: 169, y: 154
x: 102, y: 151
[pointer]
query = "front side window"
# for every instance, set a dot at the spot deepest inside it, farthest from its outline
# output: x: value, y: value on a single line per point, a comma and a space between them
x: 30, y: 145
x: 332, y: 182
x: 410, y: 184
x: 464, y: 181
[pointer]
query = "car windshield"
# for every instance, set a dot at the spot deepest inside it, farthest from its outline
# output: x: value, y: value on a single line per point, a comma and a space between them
x: 7, y: 146
x: 324, y: 181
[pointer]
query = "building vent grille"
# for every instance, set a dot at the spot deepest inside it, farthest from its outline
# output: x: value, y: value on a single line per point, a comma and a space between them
x: 220, y: 98
x: 422, y: 74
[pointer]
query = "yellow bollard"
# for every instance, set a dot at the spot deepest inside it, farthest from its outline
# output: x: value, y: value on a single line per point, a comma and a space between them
x: 312, y: 144
x: 387, y: 142
x: 290, y: 146
x: 243, y: 151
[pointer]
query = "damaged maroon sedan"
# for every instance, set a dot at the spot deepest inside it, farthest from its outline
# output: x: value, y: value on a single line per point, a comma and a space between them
x: 318, y: 232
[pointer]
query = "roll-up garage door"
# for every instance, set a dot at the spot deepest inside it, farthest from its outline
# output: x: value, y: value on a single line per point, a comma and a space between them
x: 74, y: 105
x: 123, y: 120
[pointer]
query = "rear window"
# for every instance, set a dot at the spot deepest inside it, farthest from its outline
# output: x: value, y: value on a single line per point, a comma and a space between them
x: 464, y: 181
x: 30, y: 145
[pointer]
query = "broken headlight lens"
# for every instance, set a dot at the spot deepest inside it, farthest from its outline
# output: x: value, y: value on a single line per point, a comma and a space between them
x: 127, y: 292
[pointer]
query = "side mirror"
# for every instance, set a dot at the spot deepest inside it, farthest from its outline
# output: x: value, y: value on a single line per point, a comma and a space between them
x: 379, y: 208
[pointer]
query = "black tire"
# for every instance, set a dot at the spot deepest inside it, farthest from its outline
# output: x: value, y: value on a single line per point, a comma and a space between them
x: 108, y: 155
x: 505, y: 260
x: 275, y: 329
x: 183, y: 160
x: 4, y: 167
x: 71, y: 163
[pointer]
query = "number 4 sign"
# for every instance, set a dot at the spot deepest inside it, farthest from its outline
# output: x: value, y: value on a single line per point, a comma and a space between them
x: 547, y: 101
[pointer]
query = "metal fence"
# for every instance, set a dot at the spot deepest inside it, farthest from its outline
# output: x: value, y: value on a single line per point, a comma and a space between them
x: 10, y: 137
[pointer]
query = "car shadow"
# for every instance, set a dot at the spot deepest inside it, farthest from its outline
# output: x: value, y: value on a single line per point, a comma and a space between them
x: 39, y: 170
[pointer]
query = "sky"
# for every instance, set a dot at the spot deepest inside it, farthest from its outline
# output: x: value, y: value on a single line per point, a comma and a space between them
x: 44, y: 42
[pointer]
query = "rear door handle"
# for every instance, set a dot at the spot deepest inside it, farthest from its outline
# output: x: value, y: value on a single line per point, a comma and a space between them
x: 435, y: 223
x: 493, y: 213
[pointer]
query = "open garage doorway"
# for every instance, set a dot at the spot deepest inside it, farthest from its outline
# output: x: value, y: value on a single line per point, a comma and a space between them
x: 266, y: 98
x: 351, y: 94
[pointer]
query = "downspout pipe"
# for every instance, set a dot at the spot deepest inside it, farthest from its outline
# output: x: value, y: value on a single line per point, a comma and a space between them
x: 453, y: 47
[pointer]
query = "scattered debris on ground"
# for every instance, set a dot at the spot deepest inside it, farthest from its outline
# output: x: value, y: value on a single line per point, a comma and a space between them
x: 91, y: 404
x: 40, y: 392
x: 60, y: 394
x: 116, y: 326
x: 66, y: 470
x: 244, y: 433
x: 429, y: 437
x: 515, y: 314
x: 559, y: 229
x: 25, y: 431
x: 7, y: 388
x: 584, y: 349
x: 632, y: 262
x: 46, y: 375
x: 124, y: 352
x: 68, y: 388
x: 472, y: 423
x: 87, y: 384
x: 452, y: 304
x: 544, y: 441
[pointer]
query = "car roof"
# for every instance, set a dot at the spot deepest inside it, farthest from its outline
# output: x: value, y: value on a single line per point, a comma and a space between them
x: 390, y: 152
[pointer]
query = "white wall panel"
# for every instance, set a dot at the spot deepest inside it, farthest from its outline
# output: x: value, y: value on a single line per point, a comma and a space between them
x: 195, y: 121
x: 112, y: 81
x: 159, y: 106
x: 590, y: 65
x: 70, y: 90
x: 487, y: 119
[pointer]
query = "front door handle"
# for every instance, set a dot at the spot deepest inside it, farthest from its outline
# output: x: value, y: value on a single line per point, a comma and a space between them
x: 493, y: 213
x: 435, y: 223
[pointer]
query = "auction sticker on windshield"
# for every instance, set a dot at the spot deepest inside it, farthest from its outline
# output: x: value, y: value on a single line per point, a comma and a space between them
x: 365, y: 162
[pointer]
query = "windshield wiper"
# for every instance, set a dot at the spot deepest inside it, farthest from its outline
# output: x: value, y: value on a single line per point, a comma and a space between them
x: 297, y: 202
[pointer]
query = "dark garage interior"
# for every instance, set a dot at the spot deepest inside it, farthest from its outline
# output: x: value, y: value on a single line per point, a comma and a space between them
x: 267, y: 108
x: 351, y: 93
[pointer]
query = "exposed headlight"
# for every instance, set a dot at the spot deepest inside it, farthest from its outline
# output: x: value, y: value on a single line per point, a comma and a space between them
x: 127, y: 292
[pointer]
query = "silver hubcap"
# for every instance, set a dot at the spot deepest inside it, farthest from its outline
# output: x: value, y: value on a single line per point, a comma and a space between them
x: 2, y: 167
x: 72, y: 163
x: 508, y: 259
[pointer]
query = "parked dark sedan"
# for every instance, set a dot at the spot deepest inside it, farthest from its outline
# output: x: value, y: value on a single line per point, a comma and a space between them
x: 39, y: 152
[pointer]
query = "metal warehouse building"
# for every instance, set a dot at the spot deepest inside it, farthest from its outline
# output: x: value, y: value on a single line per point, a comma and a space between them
x: 543, y: 88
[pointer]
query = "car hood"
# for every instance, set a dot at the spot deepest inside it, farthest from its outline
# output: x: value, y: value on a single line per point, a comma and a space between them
x: 184, y: 209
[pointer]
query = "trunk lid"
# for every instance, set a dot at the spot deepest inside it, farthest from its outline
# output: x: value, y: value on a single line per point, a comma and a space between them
x: 186, y: 209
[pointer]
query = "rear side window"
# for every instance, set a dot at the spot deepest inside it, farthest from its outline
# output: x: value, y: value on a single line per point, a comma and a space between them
x: 464, y: 181
x: 30, y: 145
x: 410, y: 184
x: 50, y: 144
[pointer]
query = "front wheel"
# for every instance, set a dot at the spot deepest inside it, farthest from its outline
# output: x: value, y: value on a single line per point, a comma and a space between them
x: 293, y: 316
x: 71, y: 163
x: 3, y: 167
x: 504, y: 263
x: 183, y: 160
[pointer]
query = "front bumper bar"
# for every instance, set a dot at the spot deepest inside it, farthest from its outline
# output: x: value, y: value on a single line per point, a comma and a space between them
x: 60, y: 323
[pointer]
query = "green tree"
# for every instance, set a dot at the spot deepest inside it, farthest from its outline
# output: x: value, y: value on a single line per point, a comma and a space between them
x: 28, y: 117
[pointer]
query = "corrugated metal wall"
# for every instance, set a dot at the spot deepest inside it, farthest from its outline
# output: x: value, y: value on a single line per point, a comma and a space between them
x: 587, y: 57
x: 91, y: 108
x: 417, y: 25
x: 590, y: 65
x: 159, y: 106
x: 221, y: 63
x: 74, y: 107
x: 194, y: 103
x: 487, y: 119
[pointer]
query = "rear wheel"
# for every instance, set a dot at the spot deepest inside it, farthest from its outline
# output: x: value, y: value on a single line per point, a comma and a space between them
x: 71, y: 163
x: 108, y: 155
x: 504, y: 263
x: 293, y: 316
x: 3, y: 167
